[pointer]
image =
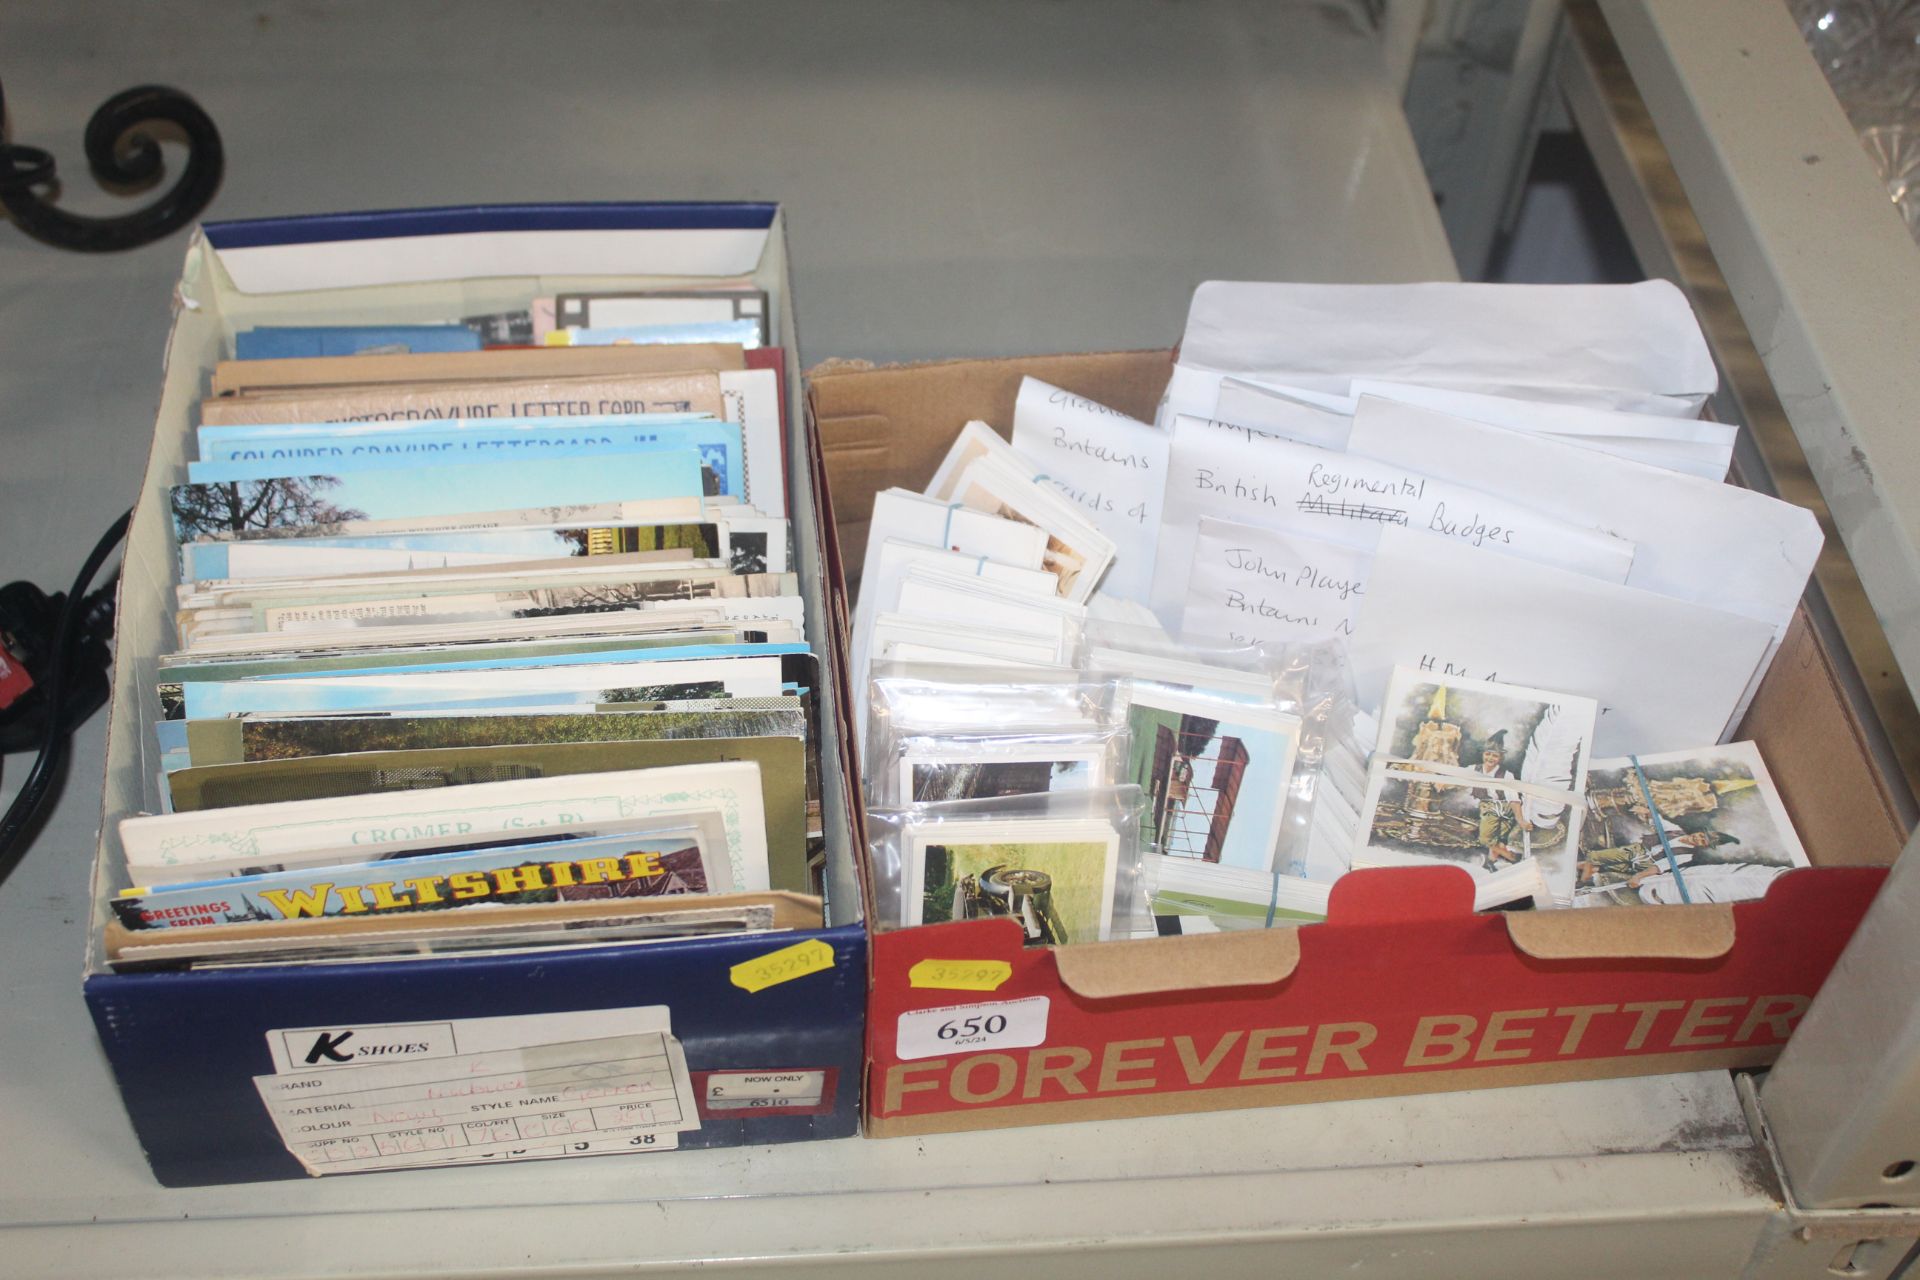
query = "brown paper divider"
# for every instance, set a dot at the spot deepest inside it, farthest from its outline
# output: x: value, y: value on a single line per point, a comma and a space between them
x: 1703, y: 931
x: 1156, y: 966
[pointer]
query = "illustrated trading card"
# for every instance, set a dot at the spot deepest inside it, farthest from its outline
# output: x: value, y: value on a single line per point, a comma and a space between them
x: 1001, y: 492
x: 1215, y: 774
x: 927, y: 777
x: 1054, y: 877
x: 1722, y: 834
x: 1477, y: 774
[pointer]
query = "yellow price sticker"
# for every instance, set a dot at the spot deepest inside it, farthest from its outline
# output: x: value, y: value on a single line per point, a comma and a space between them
x: 784, y: 965
x: 960, y: 975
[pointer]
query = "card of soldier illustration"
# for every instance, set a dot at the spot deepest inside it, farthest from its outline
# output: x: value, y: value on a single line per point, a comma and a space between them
x: 1702, y: 825
x: 1477, y: 774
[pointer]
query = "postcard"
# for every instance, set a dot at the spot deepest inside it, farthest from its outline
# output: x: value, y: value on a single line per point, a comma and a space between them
x: 179, y: 667
x: 688, y: 508
x: 744, y: 333
x: 371, y: 939
x: 1477, y: 774
x: 1252, y: 478
x: 542, y: 602
x: 1054, y: 877
x: 169, y: 848
x: 1216, y: 775
x: 259, y: 561
x: 1112, y: 466
x: 365, y: 446
x: 780, y: 761
x: 739, y: 677
x: 783, y: 614
x: 1667, y: 672
x: 688, y: 306
x: 237, y: 741
x: 484, y: 397
x: 1259, y: 586
x: 426, y: 605
x: 663, y: 863
x: 318, y: 499
x: 515, y: 575
x: 1722, y: 834
x: 231, y: 377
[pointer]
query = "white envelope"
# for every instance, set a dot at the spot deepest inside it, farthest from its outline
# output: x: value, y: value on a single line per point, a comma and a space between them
x: 1311, y: 417
x: 1639, y: 338
x: 1279, y: 484
x: 1666, y: 673
x: 1254, y: 585
x: 1113, y: 466
x: 1698, y: 448
x: 1714, y: 544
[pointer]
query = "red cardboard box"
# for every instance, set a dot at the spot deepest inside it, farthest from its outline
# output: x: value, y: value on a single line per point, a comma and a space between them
x: 1403, y: 988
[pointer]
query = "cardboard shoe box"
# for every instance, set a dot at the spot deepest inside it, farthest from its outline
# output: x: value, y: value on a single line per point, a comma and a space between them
x: 1402, y: 989
x: 185, y: 1046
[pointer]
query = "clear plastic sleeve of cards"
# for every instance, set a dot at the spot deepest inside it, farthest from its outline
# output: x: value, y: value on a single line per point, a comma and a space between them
x: 1311, y: 683
x: 1055, y: 820
x: 912, y: 767
x: 913, y: 700
x: 1315, y: 681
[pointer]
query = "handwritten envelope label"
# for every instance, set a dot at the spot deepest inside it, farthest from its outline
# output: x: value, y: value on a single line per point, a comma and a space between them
x: 784, y: 965
x: 393, y: 1096
x: 1112, y: 466
x: 1243, y: 475
x: 1253, y: 585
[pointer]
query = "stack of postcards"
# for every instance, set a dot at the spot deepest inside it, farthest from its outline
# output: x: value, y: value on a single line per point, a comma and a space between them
x: 488, y: 637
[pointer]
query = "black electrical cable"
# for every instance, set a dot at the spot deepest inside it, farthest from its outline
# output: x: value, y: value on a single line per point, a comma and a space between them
x: 18, y: 823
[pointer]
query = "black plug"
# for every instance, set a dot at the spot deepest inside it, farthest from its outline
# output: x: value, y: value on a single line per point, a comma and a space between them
x: 29, y: 621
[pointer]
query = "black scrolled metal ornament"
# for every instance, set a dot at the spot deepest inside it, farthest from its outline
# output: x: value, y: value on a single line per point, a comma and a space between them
x: 120, y: 155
